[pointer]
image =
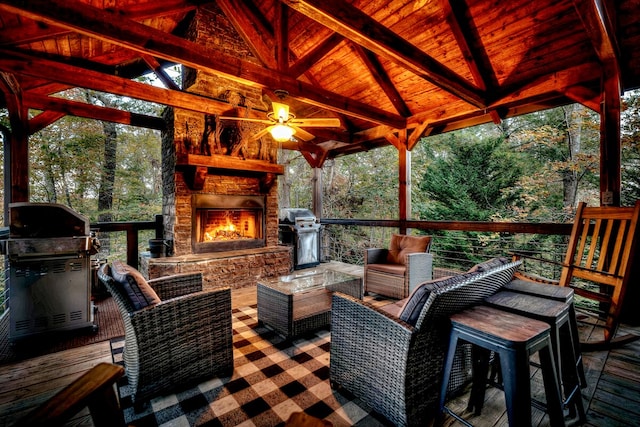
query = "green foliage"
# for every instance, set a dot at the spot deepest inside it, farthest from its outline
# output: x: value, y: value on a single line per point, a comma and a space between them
x: 466, y: 182
x: 630, y: 138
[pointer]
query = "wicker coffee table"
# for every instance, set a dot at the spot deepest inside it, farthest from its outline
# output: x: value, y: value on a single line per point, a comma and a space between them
x: 298, y: 303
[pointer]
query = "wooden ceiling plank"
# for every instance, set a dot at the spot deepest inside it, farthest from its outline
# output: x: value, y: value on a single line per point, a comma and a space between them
x: 33, y: 31
x: 62, y: 106
x: 382, y: 78
x: 318, y: 52
x: 132, y: 35
x: 254, y: 29
x: 357, y: 26
x: 44, y: 119
x: 470, y: 43
x: 155, y: 66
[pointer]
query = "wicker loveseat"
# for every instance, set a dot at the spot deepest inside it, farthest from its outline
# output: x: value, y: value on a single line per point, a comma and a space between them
x: 396, y: 271
x: 394, y: 364
x: 175, y: 333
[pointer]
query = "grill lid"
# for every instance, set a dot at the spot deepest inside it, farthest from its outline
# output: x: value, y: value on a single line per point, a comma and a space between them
x: 294, y: 215
x: 42, y: 220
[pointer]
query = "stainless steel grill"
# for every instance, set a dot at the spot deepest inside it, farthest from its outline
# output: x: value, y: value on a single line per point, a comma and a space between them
x: 49, y: 255
x: 298, y: 227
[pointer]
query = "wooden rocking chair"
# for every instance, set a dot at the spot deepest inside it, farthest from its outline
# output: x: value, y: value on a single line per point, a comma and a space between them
x: 598, y: 263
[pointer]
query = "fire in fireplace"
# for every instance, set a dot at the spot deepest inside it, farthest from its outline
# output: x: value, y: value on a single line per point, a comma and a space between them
x: 224, y: 223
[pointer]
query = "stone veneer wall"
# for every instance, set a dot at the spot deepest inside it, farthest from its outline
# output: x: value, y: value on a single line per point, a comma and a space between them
x: 184, y: 132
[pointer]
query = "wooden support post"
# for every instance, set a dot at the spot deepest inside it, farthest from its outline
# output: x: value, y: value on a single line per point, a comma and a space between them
x: 17, y: 156
x: 404, y: 179
x: 610, y: 146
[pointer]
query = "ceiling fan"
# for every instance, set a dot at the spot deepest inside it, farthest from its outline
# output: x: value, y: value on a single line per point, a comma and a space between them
x: 282, y: 124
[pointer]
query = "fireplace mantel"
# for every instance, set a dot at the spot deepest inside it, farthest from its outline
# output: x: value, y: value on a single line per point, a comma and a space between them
x: 219, y: 161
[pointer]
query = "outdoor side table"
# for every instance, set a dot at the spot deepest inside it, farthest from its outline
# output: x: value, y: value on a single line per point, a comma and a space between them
x: 299, y: 303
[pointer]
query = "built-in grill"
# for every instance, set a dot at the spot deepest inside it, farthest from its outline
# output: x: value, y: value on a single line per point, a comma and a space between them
x: 49, y: 256
x: 299, y: 227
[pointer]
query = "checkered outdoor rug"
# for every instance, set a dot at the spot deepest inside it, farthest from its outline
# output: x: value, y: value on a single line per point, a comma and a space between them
x: 272, y: 378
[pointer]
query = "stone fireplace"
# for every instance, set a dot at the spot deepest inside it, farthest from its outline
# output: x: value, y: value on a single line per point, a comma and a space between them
x: 220, y: 196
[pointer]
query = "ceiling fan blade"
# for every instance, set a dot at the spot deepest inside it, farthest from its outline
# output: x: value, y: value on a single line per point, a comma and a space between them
x: 280, y: 111
x: 246, y: 119
x: 302, y: 134
x: 262, y: 133
x: 328, y: 122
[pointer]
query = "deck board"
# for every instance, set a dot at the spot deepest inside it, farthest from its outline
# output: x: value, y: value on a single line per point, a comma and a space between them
x: 612, y: 397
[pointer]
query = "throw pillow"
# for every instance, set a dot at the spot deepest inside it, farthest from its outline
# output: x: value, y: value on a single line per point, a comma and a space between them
x: 401, y: 245
x: 134, y: 286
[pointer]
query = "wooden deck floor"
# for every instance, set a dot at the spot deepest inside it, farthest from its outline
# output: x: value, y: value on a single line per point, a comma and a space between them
x: 612, y: 397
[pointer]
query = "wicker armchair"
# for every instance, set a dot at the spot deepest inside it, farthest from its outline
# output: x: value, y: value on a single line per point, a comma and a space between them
x: 183, y: 338
x: 395, y: 367
x: 396, y: 271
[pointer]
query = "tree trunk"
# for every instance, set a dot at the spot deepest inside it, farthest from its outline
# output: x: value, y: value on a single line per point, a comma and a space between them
x: 108, y: 176
x: 573, y: 121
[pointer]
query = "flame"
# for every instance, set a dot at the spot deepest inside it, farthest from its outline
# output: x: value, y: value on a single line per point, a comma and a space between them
x: 227, y: 231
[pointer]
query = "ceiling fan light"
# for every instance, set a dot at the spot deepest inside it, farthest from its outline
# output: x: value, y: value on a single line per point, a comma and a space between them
x: 282, y: 133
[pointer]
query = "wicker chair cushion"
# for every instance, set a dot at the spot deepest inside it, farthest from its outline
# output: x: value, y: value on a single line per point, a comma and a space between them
x: 402, y: 245
x: 133, y: 285
x: 395, y: 269
x: 490, y: 264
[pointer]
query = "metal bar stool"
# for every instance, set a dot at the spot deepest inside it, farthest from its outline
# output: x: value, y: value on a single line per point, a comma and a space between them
x: 514, y: 338
x: 556, y: 293
x: 556, y: 315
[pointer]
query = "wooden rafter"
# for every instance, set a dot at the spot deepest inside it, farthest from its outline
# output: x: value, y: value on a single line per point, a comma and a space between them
x: 80, y: 109
x: 352, y: 23
x: 138, y: 37
x: 254, y: 29
x: 35, y: 31
x: 44, y: 119
x: 382, y: 78
x: 74, y: 76
x: 320, y: 50
x: 470, y: 43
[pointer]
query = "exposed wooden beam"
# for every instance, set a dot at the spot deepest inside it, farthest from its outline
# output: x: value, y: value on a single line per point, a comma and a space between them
x: 382, y: 78
x: 74, y: 76
x: 282, y: 37
x: 132, y: 35
x: 313, y: 56
x: 417, y: 133
x: 44, y: 119
x: 160, y: 73
x: 586, y: 96
x: 597, y: 21
x: 254, y: 29
x: 359, y: 27
x: 16, y: 150
x: 34, y: 31
x: 80, y: 109
x: 470, y: 43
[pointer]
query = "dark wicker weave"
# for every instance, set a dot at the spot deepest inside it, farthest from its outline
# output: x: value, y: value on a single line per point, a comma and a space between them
x: 280, y: 308
x: 185, y: 338
x: 396, y: 368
